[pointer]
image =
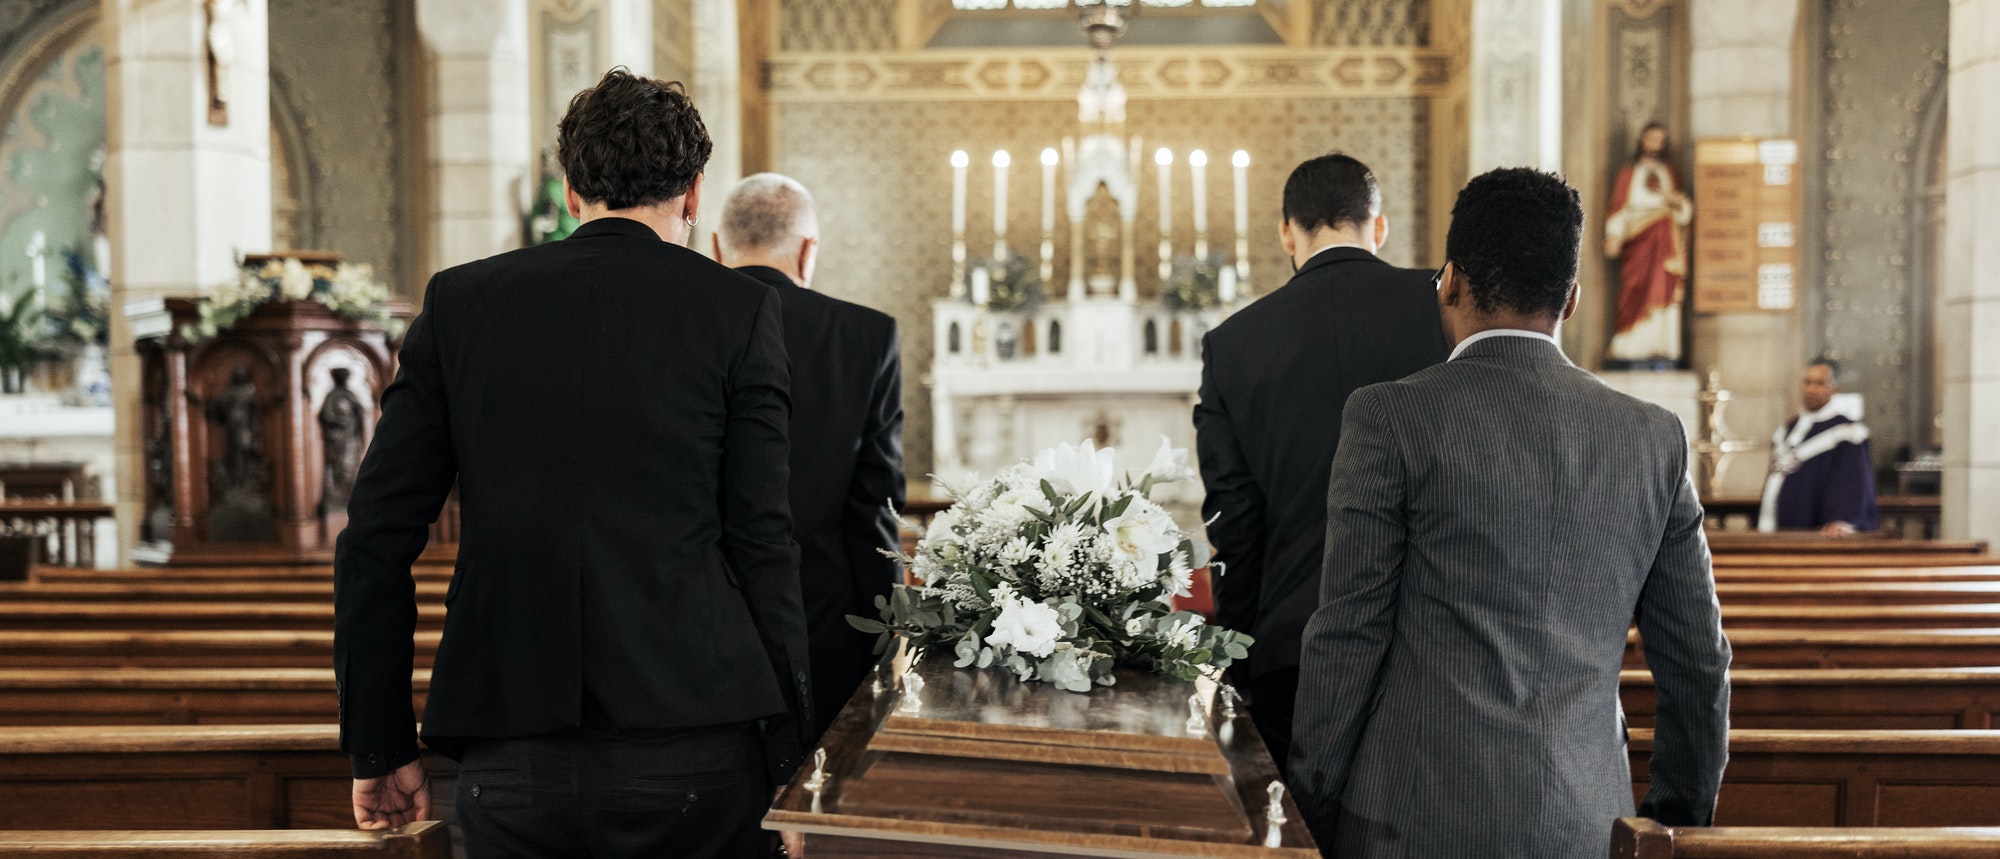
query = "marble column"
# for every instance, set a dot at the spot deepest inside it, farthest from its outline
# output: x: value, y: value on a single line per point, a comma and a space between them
x: 1740, y: 83
x: 1517, y: 85
x: 629, y: 33
x: 1970, y: 324
x: 480, y: 157
x: 718, y: 94
x: 189, y: 186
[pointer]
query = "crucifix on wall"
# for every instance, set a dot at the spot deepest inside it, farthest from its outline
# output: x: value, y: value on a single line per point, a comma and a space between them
x: 221, y: 39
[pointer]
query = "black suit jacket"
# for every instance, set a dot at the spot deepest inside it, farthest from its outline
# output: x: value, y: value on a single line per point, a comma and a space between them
x: 847, y: 472
x: 614, y: 411
x: 1274, y: 379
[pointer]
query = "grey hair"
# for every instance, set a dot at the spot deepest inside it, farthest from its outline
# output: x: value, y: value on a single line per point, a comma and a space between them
x: 765, y: 211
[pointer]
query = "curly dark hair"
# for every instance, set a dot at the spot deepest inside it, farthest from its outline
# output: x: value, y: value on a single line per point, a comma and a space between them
x: 631, y: 141
x: 1333, y: 190
x: 1515, y: 235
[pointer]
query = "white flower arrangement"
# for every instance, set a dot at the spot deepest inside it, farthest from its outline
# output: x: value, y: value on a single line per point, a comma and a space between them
x: 1059, y: 571
x: 351, y: 291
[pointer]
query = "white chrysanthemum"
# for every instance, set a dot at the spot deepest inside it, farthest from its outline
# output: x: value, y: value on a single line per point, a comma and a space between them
x: 1179, y: 580
x: 294, y: 281
x: 1016, y: 552
x: 1136, y: 627
x: 1185, y: 634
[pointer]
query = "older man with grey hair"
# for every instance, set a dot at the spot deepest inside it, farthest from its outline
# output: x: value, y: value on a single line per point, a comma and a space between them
x: 846, y: 428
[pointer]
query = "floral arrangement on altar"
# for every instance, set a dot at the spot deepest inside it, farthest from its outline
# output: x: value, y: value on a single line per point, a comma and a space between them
x: 1195, y: 283
x: 1006, y: 283
x: 350, y: 291
x: 1059, y: 572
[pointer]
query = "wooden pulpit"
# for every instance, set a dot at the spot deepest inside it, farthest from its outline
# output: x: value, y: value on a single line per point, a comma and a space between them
x: 251, y: 438
x: 978, y: 763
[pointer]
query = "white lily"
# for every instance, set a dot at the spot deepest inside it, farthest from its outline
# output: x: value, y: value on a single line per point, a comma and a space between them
x: 1077, y: 469
x: 1170, y: 464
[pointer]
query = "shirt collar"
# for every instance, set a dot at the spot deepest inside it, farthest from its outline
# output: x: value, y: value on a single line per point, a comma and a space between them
x: 1500, y: 332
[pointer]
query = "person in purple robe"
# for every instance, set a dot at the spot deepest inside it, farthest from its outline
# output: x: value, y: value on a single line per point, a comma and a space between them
x: 1822, y: 477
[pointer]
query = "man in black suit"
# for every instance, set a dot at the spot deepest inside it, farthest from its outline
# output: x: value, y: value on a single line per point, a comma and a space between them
x: 1274, y: 378
x: 623, y: 670
x: 847, y: 429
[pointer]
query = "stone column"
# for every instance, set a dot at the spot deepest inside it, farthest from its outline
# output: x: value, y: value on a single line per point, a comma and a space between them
x: 1740, y: 83
x: 189, y: 185
x: 629, y: 32
x: 1516, y: 78
x: 1970, y: 324
x: 718, y: 94
x: 480, y: 157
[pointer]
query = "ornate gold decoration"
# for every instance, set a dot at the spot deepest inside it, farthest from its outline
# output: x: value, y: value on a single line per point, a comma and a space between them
x: 1640, y: 10
x: 1146, y: 72
x: 1372, y: 23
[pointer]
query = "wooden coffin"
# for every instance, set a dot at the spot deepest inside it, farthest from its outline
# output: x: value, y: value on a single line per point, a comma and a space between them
x: 985, y: 765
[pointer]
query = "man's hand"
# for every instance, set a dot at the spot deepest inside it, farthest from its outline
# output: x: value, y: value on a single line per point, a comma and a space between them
x: 1837, y: 529
x: 399, y: 798
x: 795, y: 844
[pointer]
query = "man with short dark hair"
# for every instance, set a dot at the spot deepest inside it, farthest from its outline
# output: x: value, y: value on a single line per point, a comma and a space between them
x: 1822, y: 476
x: 846, y: 429
x: 623, y: 670
x: 1494, y: 525
x: 1274, y: 376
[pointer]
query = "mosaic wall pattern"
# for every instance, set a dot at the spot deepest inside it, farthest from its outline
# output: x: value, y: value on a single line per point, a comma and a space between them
x: 837, y: 25
x: 334, y: 71
x: 885, y: 213
x: 1372, y: 23
x: 1883, y: 64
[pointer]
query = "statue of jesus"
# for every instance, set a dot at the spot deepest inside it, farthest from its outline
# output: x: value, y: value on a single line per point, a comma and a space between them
x: 1647, y: 233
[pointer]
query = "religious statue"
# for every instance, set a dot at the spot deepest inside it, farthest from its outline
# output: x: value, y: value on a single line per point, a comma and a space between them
x: 221, y: 41
x: 340, y: 418
x: 1647, y: 233
x: 550, y: 219
x: 239, y: 481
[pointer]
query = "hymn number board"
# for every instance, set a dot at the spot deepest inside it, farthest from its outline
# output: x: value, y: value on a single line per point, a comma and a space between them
x: 1746, y: 205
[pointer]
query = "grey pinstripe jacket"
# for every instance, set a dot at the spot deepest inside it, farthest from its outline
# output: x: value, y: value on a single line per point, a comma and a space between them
x: 1494, y: 525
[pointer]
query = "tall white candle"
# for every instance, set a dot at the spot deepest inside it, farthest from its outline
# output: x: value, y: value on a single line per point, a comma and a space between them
x: 1241, y: 160
x: 1000, y: 162
x: 38, y: 252
x: 1225, y: 285
x: 1165, y: 159
x: 982, y: 286
x: 1198, y: 173
x: 958, y: 164
x: 1049, y: 161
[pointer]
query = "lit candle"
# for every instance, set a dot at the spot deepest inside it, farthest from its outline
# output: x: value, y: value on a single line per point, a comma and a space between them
x: 1241, y: 160
x: 1225, y: 285
x: 1049, y: 161
x: 958, y: 164
x: 1198, y: 172
x: 1000, y: 162
x: 1165, y: 159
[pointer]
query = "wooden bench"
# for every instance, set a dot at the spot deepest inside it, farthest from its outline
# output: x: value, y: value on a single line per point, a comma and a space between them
x: 222, y: 591
x: 1844, y: 698
x: 1830, y: 560
x: 1808, y: 543
x: 161, y: 575
x: 429, y: 839
x: 1852, y: 778
x: 185, y: 777
x: 1843, y: 593
x: 225, y: 648
x: 1639, y: 838
x: 173, y: 696
x: 1814, y: 648
x: 1734, y: 617
x: 1774, y: 575
x: 127, y: 615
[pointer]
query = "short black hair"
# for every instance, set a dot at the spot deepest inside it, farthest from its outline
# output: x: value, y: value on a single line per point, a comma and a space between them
x: 1515, y: 235
x: 1331, y: 191
x: 1831, y: 365
x: 631, y: 141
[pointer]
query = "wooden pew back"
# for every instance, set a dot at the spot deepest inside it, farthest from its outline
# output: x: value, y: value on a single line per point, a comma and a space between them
x: 429, y: 839
x: 1639, y: 838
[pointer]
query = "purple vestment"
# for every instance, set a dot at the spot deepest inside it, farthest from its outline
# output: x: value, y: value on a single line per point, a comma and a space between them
x: 1822, y: 475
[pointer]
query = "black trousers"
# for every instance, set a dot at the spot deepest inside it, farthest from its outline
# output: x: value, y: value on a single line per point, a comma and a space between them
x: 698, y: 792
x: 1271, y: 697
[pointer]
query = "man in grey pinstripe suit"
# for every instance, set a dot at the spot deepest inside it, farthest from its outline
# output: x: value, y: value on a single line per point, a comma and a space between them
x: 1494, y: 525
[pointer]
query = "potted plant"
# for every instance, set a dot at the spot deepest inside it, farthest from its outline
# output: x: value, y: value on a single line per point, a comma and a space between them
x: 20, y: 345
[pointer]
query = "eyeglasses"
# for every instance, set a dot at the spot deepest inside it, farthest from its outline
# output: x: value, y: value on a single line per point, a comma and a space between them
x: 1437, y: 280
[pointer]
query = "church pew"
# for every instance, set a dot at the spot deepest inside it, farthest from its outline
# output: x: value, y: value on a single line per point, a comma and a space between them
x: 1964, y: 616
x: 185, y: 777
x: 1852, y: 593
x: 428, y: 839
x: 274, y: 591
x: 174, y: 696
x: 1808, y: 543
x: 1639, y: 838
x: 1813, y: 648
x: 226, y: 648
x: 131, y: 615
x: 1851, y: 778
x: 1780, y: 575
x: 1842, y: 698
x: 158, y: 575
x: 1832, y: 560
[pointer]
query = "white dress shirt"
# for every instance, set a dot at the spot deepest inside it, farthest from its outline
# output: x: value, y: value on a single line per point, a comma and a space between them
x: 1501, y: 332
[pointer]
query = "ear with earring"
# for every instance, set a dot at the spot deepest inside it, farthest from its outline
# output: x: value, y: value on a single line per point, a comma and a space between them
x: 691, y: 220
